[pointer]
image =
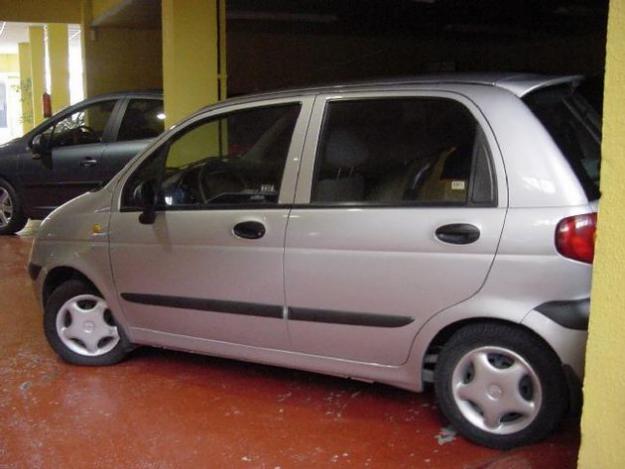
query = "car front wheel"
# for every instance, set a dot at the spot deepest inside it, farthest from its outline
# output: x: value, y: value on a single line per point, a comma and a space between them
x: 80, y: 326
x: 500, y: 385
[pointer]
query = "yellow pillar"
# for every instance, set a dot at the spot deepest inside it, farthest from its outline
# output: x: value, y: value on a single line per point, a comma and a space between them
x: 26, y: 92
x: 37, y: 55
x: 604, y: 386
x: 193, y: 55
x: 58, y: 52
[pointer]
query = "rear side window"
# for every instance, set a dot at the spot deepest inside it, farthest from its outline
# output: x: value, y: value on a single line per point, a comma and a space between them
x: 402, y: 151
x: 143, y: 119
x: 576, y: 129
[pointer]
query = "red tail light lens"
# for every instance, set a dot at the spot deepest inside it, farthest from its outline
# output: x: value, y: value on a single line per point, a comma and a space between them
x: 575, y: 237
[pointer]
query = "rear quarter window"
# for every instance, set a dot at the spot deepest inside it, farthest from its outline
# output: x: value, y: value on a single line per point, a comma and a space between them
x: 575, y: 127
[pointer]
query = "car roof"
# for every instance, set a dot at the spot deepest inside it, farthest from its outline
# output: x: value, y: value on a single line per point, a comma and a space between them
x: 125, y: 94
x: 519, y: 84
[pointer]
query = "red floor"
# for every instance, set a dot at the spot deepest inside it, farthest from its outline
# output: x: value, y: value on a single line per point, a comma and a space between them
x: 167, y: 409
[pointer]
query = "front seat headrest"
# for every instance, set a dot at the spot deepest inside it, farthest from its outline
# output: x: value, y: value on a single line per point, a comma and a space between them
x: 345, y: 150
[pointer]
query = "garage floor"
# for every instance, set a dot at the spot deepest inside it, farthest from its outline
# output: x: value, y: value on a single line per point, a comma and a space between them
x: 168, y: 409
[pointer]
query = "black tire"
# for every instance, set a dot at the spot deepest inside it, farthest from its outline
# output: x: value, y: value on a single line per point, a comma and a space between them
x: 62, y: 294
x: 18, y: 219
x: 530, y: 348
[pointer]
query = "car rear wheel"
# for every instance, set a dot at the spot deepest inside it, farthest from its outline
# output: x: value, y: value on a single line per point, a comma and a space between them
x: 500, y: 385
x: 80, y: 326
x: 12, y: 218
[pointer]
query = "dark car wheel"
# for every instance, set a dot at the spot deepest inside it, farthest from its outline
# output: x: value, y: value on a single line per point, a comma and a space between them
x: 12, y: 218
x: 500, y: 386
x: 80, y: 327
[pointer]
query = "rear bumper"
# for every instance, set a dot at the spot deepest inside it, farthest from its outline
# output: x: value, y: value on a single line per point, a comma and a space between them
x: 568, y: 343
x: 569, y: 314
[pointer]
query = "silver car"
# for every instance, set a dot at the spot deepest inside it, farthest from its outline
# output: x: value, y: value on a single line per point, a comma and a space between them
x: 433, y: 230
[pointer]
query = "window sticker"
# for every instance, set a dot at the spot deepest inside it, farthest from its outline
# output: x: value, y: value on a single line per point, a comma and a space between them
x: 457, y: 185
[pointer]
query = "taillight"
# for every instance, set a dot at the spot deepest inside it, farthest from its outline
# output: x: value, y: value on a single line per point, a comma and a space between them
x: 575, y: 237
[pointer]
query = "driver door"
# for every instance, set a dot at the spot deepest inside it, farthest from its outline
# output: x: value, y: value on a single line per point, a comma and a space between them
x: 75, y: 144
x: 209, y: 269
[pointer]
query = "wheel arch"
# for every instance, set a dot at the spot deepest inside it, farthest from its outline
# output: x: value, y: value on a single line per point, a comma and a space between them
x: 59, y: 275
x: 438, y: 341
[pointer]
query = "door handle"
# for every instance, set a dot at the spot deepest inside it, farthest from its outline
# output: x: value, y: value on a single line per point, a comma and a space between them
x: 458, y: 233
x: 249, y: 230
x: 88, y: 162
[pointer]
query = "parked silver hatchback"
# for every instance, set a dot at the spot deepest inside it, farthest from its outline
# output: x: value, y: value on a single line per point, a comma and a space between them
x: 434, y: 230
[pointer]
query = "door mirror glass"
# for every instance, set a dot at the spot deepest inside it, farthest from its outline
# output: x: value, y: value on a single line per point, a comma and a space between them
x: 148, y: 198
x: 41, y: 144
x: 40, y: 147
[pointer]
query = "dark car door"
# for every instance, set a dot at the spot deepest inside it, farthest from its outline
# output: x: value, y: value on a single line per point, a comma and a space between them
x: 141, y: 119
x: 71, y: 166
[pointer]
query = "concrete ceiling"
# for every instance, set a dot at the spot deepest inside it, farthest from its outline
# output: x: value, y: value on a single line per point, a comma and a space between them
x: 488, y: 18
x: 132, y: 14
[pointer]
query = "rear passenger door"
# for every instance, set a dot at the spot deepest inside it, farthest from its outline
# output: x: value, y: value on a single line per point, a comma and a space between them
x: 140, y: 121
x: 398, y: 215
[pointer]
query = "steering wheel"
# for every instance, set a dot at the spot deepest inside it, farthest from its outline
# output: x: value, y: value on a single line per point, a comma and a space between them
x: 84, y: 133
x: 214, y: 181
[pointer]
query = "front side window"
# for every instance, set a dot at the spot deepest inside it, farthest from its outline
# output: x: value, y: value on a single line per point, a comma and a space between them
x: 237, y: 158
x: 81, y: 127
x: 424, y: 151
x: 143, y: 119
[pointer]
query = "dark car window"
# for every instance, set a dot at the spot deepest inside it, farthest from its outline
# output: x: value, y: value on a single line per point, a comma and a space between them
x: 144, y: 118
x: 401, y: 151
x: 237, y: 158
x: 81, y: 127
x: 575, y: 127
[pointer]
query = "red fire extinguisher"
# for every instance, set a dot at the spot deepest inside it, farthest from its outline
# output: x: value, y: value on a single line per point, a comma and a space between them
x: 47, y: 105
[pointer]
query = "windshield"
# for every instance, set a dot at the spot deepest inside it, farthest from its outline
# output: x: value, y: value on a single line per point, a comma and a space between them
x: 576, y: 129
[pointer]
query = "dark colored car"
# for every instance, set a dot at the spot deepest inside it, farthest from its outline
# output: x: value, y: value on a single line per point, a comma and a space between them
x: 74, y: 151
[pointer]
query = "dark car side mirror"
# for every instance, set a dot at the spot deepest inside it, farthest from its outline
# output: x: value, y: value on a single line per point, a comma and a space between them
x: 148, y: 195
x: 40, y: 147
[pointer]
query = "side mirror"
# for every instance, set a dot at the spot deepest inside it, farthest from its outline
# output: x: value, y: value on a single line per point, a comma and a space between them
x: 40, y: 147
x: 148, y: 194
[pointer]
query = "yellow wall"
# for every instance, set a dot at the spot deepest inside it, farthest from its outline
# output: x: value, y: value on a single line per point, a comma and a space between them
x: 40, y: 11
x: 603, y: 419
x: 26, y: 92
x: 58, y: 51
x: 37, y: 69
x: 191, y: 55
x: 9, y: 63
x: 117, y: 59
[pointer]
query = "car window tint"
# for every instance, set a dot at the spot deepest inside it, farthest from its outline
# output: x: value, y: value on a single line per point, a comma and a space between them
x: 237, y: 158
x: 396, y: 151
x: 144, y: 118
x: 575, y: 128
x: 81, y: 127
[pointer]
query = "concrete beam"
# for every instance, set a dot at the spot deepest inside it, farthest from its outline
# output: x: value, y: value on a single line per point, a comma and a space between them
x: 58, y: 52
x: 194, y: 65
x: 37, y: 67
x: 604, y: 385
x: 26, y: 92
x: 41, y: 11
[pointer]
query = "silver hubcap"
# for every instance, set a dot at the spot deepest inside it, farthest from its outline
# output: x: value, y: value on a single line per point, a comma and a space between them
x: 6, y: 207
x: 496, y: 390
x: 85, y: 325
